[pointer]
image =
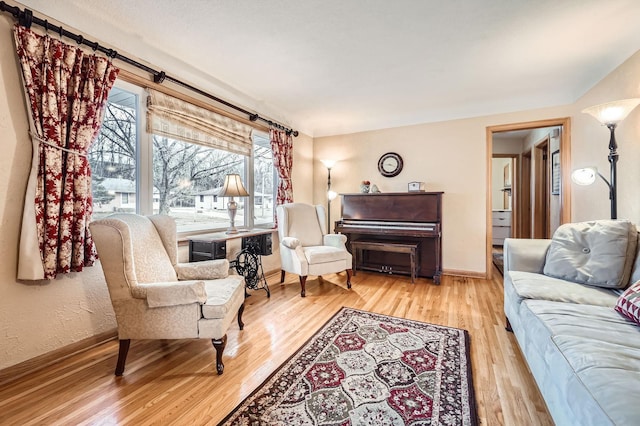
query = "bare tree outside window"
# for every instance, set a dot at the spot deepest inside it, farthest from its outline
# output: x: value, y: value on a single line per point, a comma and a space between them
x: 186, y: 176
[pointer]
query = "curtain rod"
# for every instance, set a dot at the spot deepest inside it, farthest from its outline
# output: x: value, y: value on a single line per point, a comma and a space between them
x: 26, y: 19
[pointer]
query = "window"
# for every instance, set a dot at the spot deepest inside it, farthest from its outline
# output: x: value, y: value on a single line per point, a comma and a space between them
x: 185, y: 172
x: 264, y: 180
x: 113, y: 156
x: 137, y: 172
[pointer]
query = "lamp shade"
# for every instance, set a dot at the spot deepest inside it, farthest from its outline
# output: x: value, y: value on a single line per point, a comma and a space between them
x: 612, y: 112
x: 329, y: 163
x: 233, y: 187
x: 584, y: 176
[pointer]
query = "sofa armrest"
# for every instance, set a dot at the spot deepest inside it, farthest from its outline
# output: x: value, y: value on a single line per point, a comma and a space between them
x: 174, y: 293
x: 525, y: 255
x: 206, y: 270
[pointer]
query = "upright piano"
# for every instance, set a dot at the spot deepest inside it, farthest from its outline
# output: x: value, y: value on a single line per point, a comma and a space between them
x: 407, y: 217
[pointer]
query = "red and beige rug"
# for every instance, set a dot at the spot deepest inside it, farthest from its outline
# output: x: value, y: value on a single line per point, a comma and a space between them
x: 363, y: 368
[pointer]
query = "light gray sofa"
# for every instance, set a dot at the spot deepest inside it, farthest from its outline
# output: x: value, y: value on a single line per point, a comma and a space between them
x: 584, y: 356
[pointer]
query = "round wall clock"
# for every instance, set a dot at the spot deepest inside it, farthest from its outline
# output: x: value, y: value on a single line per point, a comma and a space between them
x: 390, y: 164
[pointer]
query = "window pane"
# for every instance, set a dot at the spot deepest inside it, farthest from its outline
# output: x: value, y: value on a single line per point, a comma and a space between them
x: 264, y: 181
x: 113, y: 156
x: 187, y: 178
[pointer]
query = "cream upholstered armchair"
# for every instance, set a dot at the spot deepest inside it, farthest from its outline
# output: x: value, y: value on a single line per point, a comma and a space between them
x: 154, y: 296
x: 306, y: 248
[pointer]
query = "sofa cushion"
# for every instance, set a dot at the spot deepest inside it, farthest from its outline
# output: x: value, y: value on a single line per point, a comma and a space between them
x: 628, y: 304
x: 603, y: 351
x: 529, y: 285
x: 598, y: 253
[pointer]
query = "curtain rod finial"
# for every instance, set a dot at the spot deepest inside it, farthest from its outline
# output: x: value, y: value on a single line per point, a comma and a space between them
x: 159, y: 77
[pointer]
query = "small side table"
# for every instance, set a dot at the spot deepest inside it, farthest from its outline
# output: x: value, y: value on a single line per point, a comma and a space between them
x: 248, y: 263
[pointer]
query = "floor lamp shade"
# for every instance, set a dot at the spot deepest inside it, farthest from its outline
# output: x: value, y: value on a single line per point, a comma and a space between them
x: 232, y: 188
x: 609, y: 114
x: 612, y: 112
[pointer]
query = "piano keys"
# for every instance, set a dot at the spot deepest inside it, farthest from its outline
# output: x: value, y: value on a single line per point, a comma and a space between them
x: 414, y: 217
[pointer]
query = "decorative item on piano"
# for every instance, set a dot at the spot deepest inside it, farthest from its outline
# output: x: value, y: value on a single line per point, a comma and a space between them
x: 416, y: 187
x: 374, y: 189
x: 364, y: 186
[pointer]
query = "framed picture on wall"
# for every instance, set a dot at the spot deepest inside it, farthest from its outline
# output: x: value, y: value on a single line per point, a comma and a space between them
x: 555, y: 172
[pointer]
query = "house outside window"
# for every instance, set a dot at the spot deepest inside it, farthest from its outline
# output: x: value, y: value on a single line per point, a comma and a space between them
x: 173, y: 177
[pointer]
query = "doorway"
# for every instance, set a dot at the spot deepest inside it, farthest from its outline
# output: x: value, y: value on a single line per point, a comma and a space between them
x: 541, y: 179
x: 535, y: 193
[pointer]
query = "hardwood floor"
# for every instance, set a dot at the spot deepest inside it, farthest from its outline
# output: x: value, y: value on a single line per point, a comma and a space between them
x: 175, y: 382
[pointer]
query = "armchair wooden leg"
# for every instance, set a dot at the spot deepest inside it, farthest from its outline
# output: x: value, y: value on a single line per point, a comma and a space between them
x: 349, y: 272
x: 282, y: 276
x: 240, y: 311
x: 508, y: 325
x: 122, y: 356
x: 219, y: 344
x: 303, y: 281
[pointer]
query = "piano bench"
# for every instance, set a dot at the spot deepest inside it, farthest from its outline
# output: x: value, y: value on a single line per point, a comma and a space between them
x: 388, y: 246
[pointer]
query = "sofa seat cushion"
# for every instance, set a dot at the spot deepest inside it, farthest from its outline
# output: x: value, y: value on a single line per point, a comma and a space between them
x: 323, y: 254
x: 224, y: 297
x: 529, y: 285
x: 603, y: 350
x: 599, y: 253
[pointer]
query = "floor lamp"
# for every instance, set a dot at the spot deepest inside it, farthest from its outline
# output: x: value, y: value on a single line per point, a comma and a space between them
x: 609, y: 114
x: 331, y: 195
x: 232, y: 188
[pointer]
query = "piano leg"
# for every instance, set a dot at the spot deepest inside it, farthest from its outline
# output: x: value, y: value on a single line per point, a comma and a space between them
x: 303, y: 281
x: 282, y: 276
x: 349, y: 278
x: 436, y: 278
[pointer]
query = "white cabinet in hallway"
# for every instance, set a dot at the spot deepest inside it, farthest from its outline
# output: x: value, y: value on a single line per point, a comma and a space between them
x: 501, y: 226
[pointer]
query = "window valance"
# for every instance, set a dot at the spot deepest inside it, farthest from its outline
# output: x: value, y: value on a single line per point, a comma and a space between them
x: 177, y: 119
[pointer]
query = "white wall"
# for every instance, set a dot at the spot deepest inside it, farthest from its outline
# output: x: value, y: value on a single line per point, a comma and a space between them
x: 449, y: 156
x: 35, y: 317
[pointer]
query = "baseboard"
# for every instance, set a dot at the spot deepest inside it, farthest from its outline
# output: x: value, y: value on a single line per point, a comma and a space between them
x: 14, y: 372
x: 465, y: 274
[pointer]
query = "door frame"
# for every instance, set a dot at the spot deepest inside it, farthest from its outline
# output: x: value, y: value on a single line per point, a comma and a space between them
x: 542, y: 178
x: 525, y: 196
x: 565, y: 167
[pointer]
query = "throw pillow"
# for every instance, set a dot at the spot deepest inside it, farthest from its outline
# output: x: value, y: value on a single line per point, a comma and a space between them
x: 628, y: 303
x: 598, y: 253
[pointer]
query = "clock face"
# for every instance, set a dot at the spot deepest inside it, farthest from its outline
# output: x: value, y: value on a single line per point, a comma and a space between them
x: 390, y: 164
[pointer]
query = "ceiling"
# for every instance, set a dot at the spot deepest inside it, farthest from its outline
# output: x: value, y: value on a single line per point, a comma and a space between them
x: 330, y: 67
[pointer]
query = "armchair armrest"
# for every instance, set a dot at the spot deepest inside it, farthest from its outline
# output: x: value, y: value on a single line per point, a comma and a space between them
x: 335, y: 240
x: 290, y: 242
x: 174, y: 293
x: 525, y: 255
x: 206, y: 270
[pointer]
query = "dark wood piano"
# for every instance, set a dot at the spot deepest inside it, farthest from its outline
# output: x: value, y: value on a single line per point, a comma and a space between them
x: 407, y: 217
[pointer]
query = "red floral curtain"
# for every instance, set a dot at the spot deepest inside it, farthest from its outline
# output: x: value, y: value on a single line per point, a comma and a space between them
x: 282, y: 147
x: 66, y: 91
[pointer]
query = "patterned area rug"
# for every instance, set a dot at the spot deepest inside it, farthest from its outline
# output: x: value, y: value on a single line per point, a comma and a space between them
x: 363, y: 368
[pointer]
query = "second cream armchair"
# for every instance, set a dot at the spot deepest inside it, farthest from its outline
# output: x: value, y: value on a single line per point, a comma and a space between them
x: 306, y: 248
